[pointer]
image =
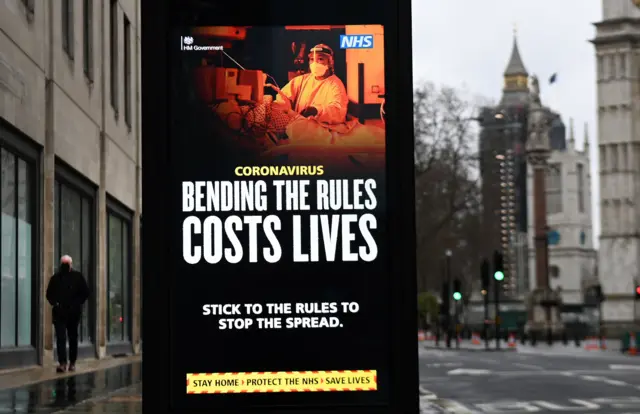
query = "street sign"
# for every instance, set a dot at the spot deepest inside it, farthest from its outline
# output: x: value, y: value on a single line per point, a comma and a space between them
x: 282, y: 227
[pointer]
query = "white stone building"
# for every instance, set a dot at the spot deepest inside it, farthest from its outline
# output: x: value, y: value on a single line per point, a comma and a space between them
x: 572, y: 258
x: 618, y: 85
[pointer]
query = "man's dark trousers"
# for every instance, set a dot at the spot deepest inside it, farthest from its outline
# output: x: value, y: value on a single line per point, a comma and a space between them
x: 67, y: 327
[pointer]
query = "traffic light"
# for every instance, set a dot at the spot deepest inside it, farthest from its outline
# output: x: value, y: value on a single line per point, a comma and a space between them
x: 457, y: 289
x: 484, y: 274
x: 498, y: 266
x: 638, y: 292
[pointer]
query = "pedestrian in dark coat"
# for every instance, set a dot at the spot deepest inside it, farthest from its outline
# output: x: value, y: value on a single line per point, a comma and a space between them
x: 67, y: 291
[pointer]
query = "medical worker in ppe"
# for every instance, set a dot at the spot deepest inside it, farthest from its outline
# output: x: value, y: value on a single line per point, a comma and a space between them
x: 319, y: 95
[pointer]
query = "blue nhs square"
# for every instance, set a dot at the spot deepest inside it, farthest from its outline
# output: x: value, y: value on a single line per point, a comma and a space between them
x: 356, y: 41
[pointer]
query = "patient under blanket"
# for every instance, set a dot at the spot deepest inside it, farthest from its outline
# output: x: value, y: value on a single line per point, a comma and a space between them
x: 293, y: 128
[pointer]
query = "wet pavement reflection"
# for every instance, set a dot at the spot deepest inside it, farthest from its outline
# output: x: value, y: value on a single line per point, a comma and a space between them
x: 58, y: 395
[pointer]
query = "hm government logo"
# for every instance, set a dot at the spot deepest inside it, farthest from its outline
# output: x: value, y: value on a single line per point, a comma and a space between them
x: 187, y: 44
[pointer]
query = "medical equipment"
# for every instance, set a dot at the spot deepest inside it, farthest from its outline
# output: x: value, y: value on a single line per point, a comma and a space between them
x: 221, y: 84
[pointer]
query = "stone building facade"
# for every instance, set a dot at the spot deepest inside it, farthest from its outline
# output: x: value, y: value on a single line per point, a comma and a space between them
x: 618, y: 97
x: 70, y: 171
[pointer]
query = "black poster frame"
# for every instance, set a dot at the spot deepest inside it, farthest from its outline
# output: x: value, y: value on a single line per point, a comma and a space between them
x: 158, y: 17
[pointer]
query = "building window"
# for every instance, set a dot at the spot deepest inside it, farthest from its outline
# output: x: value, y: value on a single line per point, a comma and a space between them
x: 127, y: 72
x: 600, y: 67
x: 17, y: 246
x: 580, y: 174
x: 623, y: 66
x: 119, y: 279
x: 554, y: 271
x: 87, y: 36
x: 113, y: 52
x: 67, y: 27
x: 554, y: 189
x: 74, y: 235
x: 612, y: 66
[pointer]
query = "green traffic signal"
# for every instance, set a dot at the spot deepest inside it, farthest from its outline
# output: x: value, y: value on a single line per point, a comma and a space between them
x: 457, y: 295
x: 499, y: 276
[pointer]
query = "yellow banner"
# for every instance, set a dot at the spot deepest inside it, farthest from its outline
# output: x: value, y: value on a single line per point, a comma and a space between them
x: 285, y: 381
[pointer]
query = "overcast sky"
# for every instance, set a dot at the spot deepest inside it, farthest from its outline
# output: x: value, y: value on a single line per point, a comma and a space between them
x: 467, y: 44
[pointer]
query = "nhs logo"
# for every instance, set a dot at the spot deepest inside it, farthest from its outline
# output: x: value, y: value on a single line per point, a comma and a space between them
x: 356, y: 41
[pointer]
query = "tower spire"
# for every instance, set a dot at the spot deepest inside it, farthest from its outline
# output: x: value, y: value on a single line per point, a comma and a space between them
x: 516, y: 77
x: 572, y: 137
x: 586, y: 138
x: 515, y: 66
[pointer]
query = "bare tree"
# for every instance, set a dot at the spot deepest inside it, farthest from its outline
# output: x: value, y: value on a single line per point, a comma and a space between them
x: 447, y: 184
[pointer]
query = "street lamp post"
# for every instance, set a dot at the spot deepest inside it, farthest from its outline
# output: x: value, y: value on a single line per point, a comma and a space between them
x: 448, y: 254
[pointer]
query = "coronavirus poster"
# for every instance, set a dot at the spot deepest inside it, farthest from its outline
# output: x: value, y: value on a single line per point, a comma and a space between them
x: 280, y: 256
x: 283, y: 209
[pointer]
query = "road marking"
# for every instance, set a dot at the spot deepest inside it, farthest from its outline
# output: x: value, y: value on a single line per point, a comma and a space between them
x: 557, y: 407
x: 426, y: 395
x: 615, y: 382
x: 619, y: 367
x: 463, y: 371
x: 604, y: 379
x: 453, y: 407
x: 444, y: 364
x: 536, y: 367
x: 569, y: 405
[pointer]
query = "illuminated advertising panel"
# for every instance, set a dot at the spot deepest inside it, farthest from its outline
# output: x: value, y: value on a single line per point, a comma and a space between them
x: 282, y: 275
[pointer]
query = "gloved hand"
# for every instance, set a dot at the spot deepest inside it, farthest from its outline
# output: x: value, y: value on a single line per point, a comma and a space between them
x: 310, y: 111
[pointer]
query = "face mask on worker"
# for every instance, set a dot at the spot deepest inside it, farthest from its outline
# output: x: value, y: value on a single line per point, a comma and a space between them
x: 318, y: 69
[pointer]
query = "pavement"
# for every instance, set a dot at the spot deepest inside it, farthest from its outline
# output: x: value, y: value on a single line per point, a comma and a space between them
x: 114, y: 390
x: 542, y: 379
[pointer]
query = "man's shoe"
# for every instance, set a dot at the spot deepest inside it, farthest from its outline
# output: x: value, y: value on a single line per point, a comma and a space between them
x: 61, y: 368
x: 72, y: 367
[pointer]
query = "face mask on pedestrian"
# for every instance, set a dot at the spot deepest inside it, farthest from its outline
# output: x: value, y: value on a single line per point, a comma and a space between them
x: 318, y: 69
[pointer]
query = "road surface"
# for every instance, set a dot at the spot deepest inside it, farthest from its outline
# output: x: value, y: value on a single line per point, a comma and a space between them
x: 464, y: 381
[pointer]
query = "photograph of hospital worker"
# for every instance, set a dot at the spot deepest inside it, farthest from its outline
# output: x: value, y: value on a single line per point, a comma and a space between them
x: 317, y: 104
x: 275, y: 98
x: 319, y: 94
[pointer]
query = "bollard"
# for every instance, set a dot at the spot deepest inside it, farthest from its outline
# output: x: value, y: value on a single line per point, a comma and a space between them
x: 549, y: 337
x: 523, y: 338
x: 534, y: 338
x: 565, y: 339
x: 577, y: 340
